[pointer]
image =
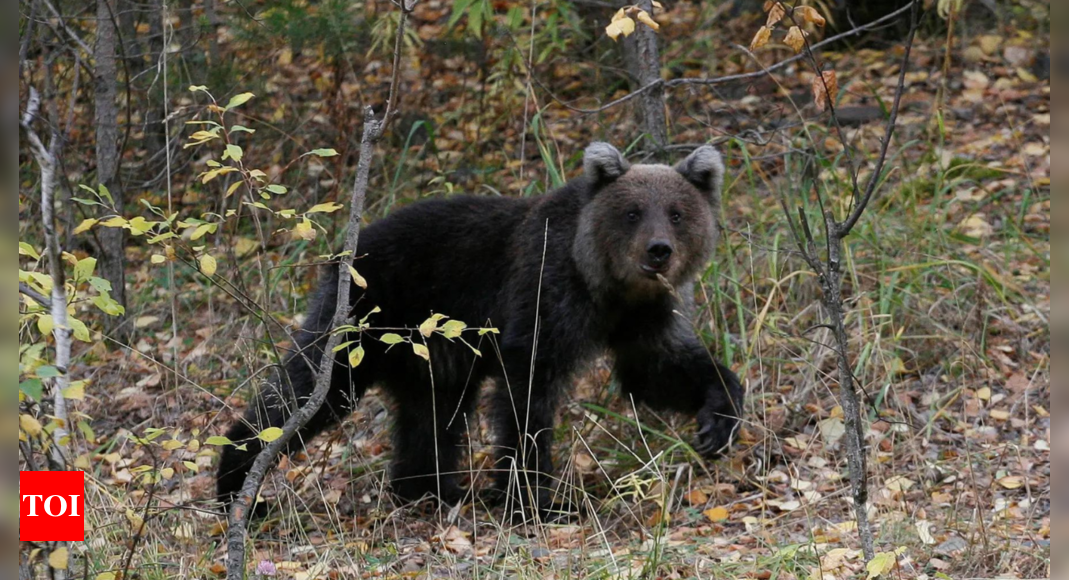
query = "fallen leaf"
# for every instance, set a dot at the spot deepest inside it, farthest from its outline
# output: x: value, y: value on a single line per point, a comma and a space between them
x: 59, y: 559
x: 717, y: 514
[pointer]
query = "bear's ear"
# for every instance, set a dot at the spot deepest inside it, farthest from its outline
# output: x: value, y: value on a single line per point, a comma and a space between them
x: 705, y: 169
x: 602, y: 162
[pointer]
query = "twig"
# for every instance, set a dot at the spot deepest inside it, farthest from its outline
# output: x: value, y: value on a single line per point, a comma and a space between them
x: 859, y: 208
x: 37, y: 297
x: 724, y: 79
x: 240, y: 509
x: 63, y: 24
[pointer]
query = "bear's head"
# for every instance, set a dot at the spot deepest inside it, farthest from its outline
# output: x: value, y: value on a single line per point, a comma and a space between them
x: 642, y: 223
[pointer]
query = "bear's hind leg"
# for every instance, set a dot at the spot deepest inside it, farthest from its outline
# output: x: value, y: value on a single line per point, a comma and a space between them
x: 428, y: 443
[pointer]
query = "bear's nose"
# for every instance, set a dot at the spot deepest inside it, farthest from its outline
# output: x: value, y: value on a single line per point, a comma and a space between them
x: 659, y: 251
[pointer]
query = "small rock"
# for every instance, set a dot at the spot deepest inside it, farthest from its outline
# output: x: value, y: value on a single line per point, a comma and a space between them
x: 1019, y: 56
x: 954, y: 546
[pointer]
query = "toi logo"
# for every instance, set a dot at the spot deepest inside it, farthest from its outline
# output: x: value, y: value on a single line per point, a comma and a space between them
x: 51, y: 506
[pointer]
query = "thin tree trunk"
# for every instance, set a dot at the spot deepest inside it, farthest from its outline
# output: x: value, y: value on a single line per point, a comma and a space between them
x: 46, y: 157
x: 213, y: 32
x: 644, y: 63
x: 112, y: 240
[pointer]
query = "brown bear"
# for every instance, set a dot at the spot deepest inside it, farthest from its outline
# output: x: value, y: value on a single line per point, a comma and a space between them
x: 605, y: 264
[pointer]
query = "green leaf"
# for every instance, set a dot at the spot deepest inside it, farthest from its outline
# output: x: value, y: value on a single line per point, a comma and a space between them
x: 104, y: 193
x: 47, y: 372
x: 108, y: 305
x: 453, y: 328
x: 84, y: 269
x: 234, y: 152
x: 391, y: 338
x: 45, y: 324
x: 485, y: 331
x: 241, y: 129
x: 27, y: 250
x: 883, y: 563
x: 218, y: 440
x: 198, y: 89
x: 81, y: 332
x: 344, y: 346
x: 239, y: 100
x: 33, y: 388
x: 100, y: 285
x: 276, y: 189
x: 421, y: 351
x: 270, y: 434
x: 324, y: 153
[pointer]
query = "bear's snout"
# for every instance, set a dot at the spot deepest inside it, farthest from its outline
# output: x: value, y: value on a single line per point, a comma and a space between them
x: 658, y: 254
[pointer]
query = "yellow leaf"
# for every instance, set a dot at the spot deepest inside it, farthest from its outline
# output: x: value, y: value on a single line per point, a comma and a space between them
x: 883, y: 563
x: 270, y: 434
x: 75, y: 392
x: 421, y: 351
x: 775, y: 14
x: 1011, y: 482
x: 304, y: 231
x: 810, y: 15
x: 430, y: 325
x: 136, y: 522
x: 645, y: 18
x: 717, y: 514
x: 233, y: 187
x: 760, y: 40
x: 172, y: 445
x: 208, y: 265
x: 45, y: 324
x: 357, y: 278
x: 624, y: 26
x: 325, y: 208
x: 795, y: 39
x: 115, y: 222
x: 85, y: 226
x: 59, y: 560
x: 356, y: 356
x: 158, y: 259
x: 167, y: 472
x: 31, y: 426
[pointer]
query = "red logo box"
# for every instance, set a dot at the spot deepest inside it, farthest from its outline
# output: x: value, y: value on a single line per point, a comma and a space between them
x: 51, y: 506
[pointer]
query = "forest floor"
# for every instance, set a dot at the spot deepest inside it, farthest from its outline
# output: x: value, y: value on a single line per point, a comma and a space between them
x: 948, y: 290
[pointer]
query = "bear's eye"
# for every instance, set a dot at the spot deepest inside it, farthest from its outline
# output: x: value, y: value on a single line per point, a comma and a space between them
x: 676, y: 217
x: 633, y: 216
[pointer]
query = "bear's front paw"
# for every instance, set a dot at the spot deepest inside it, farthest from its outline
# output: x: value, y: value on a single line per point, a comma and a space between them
x: 716, y: 425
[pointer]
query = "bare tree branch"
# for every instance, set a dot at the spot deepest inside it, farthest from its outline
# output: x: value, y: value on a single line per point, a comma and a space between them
x: 240, y: 509
x: 723, y: 80
x: 37, y: 297
x: 843, y: 229
x: 830, y: 272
